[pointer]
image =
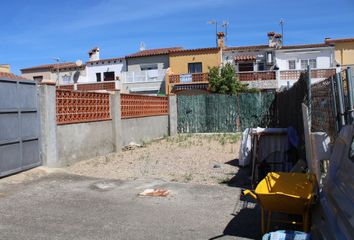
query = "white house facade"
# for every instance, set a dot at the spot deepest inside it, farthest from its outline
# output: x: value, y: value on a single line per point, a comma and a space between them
x: 292, y: 60
x: 274, y: 66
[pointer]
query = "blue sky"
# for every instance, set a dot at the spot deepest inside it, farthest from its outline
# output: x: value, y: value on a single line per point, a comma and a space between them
x: 34, y: 32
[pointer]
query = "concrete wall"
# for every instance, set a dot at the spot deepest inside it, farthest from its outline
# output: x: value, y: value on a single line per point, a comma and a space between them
x: 179, y: 61
x: 46, y: 74
x: 5, y: 68
x: 324, y: 57
x: 162, y: 61
x: 63, y: 145
x: 144, y: 129
x: 262, y: 84
x: 67, y: 76
x: 82, y: 141
x: 344, y: 53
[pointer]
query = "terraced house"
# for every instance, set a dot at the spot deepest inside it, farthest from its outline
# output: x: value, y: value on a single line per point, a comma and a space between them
x: 273, y: 66
x: 146, y: 71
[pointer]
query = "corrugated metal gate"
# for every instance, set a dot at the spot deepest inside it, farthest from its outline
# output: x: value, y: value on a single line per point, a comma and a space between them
x: 19, y: 126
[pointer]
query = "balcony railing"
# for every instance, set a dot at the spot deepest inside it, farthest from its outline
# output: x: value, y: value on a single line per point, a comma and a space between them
x: 144, y: 76
x: 255, y: 76
x: 92, y: 86
x: 315, y: 73
x: 188, y: 78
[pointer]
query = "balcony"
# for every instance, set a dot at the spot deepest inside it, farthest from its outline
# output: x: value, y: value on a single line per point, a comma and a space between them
x: 189, y: 78
x: 144, y: 76
x: 256, y: 76
x: 315, y: 73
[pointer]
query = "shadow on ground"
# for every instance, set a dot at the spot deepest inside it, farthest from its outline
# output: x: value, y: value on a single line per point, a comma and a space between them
x: 246, y: 221
x: 246, y: 215
x: 241, y: 178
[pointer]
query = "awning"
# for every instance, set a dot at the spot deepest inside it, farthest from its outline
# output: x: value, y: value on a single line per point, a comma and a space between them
x: 245, y: 58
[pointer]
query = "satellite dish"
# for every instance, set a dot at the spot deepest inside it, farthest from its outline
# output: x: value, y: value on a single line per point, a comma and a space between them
x: 78, y: 63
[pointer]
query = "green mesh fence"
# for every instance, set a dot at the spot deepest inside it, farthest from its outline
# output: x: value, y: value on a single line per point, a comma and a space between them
x: 256, y: 110
x: 224, y: 113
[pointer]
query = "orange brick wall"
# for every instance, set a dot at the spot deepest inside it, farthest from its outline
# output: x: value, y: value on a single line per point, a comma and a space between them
x: 78, y: 107
x: 133, y: 106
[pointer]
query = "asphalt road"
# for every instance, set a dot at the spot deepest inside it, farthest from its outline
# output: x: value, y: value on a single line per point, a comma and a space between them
x: 64, y: 206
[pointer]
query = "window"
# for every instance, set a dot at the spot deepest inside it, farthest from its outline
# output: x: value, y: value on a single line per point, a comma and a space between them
x: 108, y: 76
x: 313, y: 63
x: 261, y: 66
x: 304, y: 64
x: 144, y: 67
x: 98, y: 77
x: 245, y: 67
x: 195, y: 67
x: 292, y: 64
x: 38, y: 78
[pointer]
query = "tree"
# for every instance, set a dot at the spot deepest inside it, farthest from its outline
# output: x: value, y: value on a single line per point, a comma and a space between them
x: 223, y: 80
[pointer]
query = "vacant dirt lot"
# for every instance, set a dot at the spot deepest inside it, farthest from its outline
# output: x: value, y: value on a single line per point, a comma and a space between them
x: 200, y: 158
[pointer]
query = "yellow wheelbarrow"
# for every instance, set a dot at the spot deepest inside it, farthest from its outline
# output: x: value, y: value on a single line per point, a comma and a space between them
x: 291, y: 193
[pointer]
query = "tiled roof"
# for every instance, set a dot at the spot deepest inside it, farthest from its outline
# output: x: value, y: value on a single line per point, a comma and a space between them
x: 316, y: 45
x: 245, y: 58
x: 246, y: 48
x: 107, y: 59
x: 11, y: 76
x: 195, y: 50
x: 153, y: 52
x: 51, y: 66
x: 339, y: 40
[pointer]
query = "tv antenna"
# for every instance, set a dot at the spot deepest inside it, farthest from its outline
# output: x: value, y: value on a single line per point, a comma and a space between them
x: 225, y: 24
x: 142, y: 46
x: 281, y: 22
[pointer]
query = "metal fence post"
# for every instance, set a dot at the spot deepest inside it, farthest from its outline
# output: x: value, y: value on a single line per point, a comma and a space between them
x: 334, y: 102
x: 340, y: 100
x: 309, y: 102
x: 350, y: 94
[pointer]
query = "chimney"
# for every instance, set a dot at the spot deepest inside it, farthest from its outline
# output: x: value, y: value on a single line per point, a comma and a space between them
x: 221, y: 39
x: 274, y: 39
x: 278, y: 40
x: 94, y: 54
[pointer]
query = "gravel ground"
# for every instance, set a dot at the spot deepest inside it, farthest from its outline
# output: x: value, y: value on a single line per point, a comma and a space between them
x: 197, y: 158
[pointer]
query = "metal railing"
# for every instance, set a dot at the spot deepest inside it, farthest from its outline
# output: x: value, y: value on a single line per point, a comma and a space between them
x: 188, y: 78
x: 144, y: 76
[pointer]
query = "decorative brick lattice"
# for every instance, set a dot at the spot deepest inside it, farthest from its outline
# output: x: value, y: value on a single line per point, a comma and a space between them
x: 109, y: 86
x: 315, y: 73
x: 77, y: 107
x: 133, y: 106
x: 255, y: 76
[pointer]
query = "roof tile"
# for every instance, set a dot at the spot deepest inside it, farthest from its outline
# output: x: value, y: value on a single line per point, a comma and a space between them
x: 152, y: 52
x: 11, y: 76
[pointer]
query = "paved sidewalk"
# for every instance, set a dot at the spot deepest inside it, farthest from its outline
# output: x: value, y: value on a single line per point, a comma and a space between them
x: 65, y: 206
